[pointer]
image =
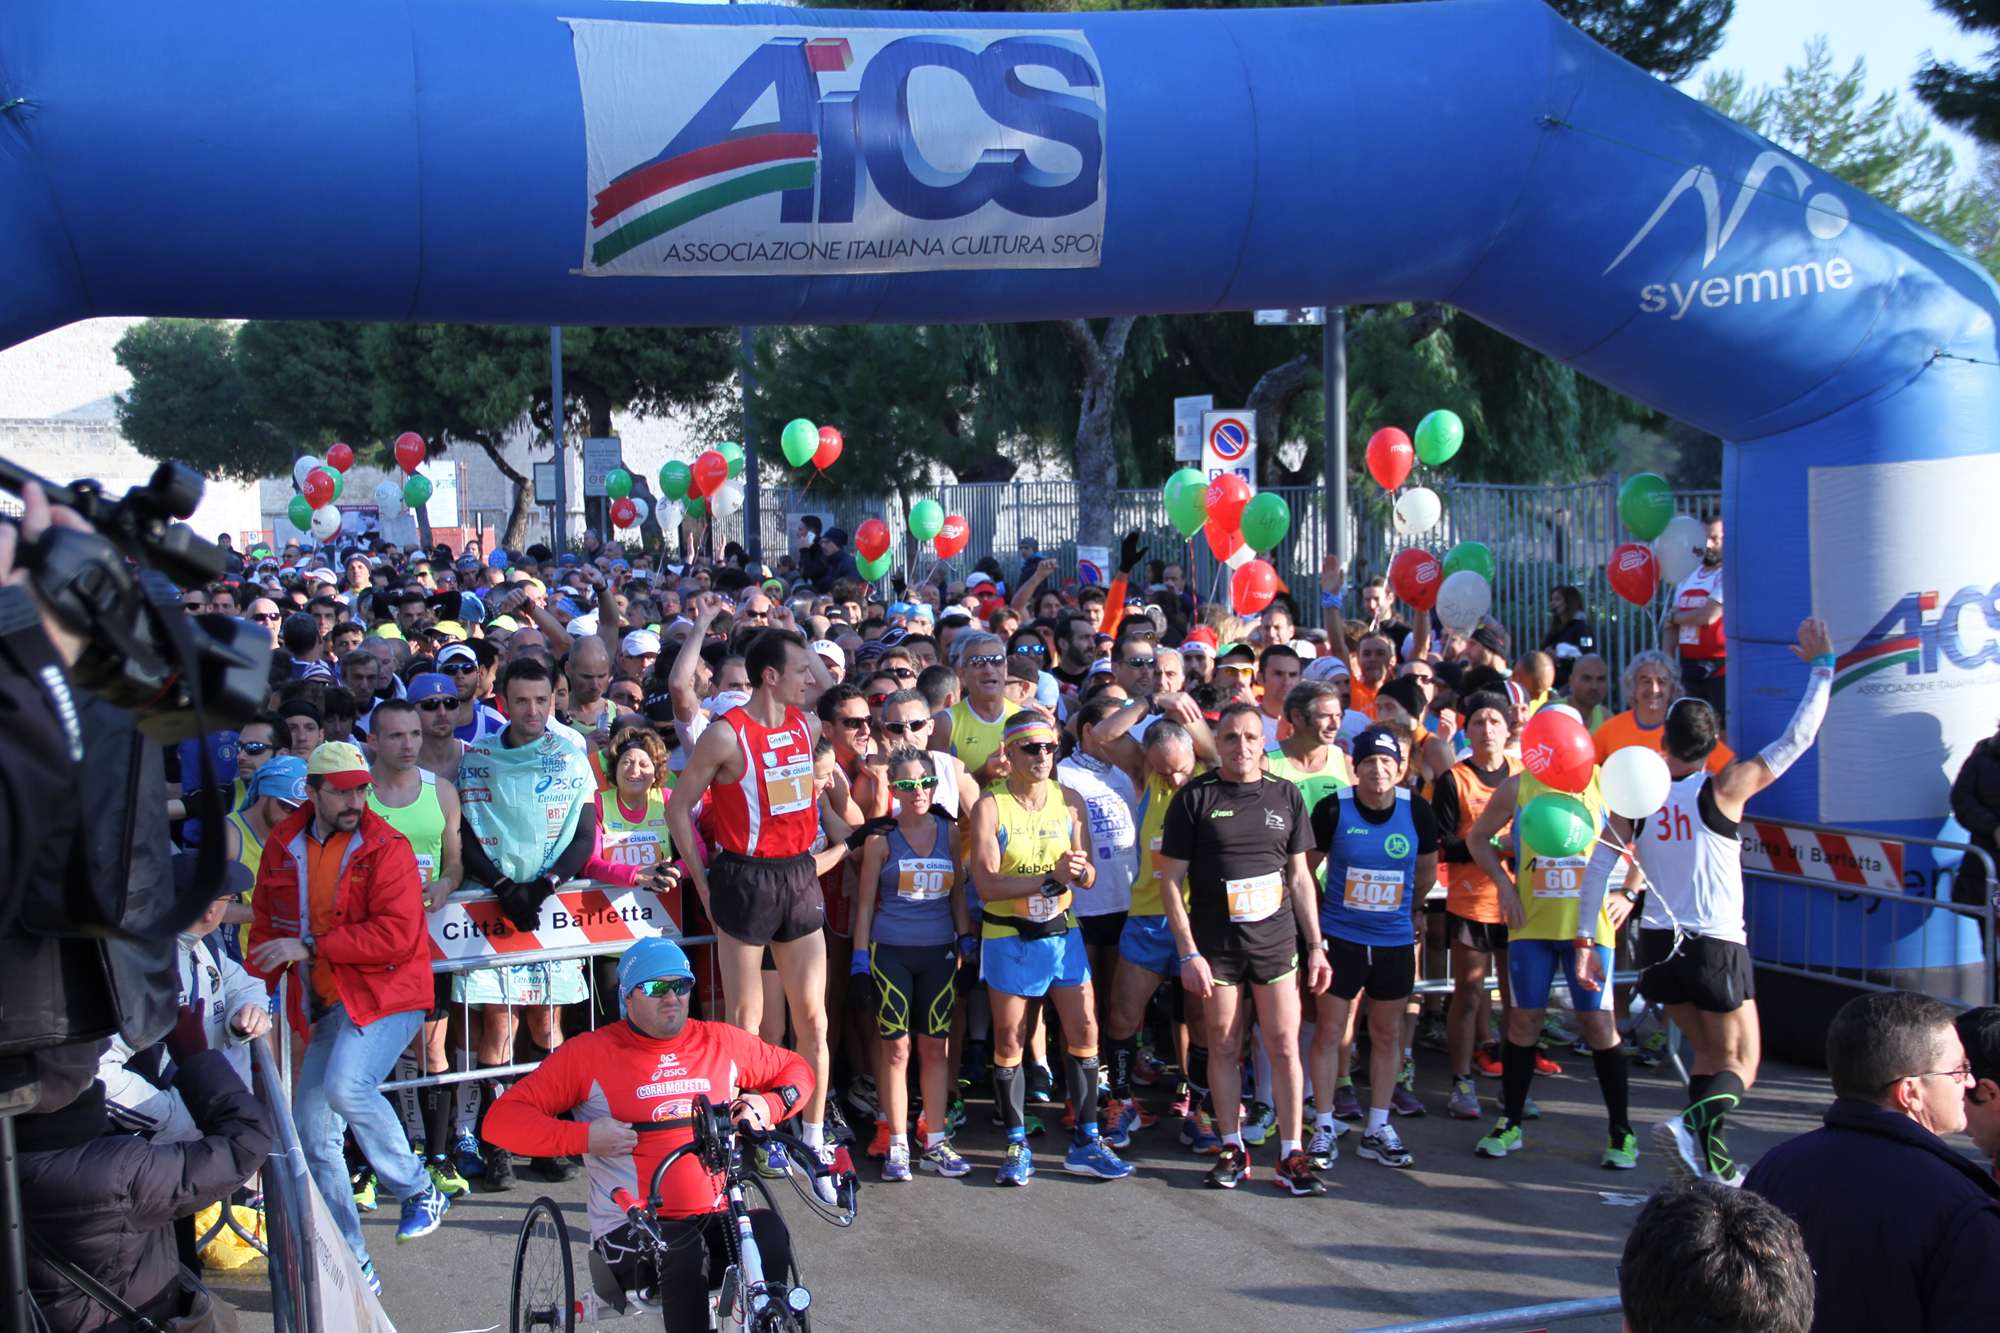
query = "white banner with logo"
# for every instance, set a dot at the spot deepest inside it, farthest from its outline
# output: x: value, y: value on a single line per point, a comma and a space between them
x: 345, y: 1303
x: 1904, y: 557
x: 475, y: 927
x: 809, y: 150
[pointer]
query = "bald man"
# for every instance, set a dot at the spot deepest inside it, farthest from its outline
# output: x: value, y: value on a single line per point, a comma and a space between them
x: 1589, y: 687
x: 589, y: 671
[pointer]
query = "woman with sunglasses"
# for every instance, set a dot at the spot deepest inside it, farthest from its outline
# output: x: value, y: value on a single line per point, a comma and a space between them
x: 910, y: 925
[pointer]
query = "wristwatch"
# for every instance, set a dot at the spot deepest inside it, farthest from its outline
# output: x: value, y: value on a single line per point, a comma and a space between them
x: 1322, y: 946
x: 1630, y: 896
x: 1052, y: 888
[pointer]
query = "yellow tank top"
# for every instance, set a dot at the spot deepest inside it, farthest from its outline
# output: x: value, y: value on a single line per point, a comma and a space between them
x: 1550, y: 887
x: 421, y: 821
x: 1159, y: 794
x: 641, y: 842
x: 1030, y: 843
x: 973, y: 738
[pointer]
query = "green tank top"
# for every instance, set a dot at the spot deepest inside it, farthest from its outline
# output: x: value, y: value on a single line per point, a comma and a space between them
x: 1313, y: 786
x: 1030, y: 843
x: 973, y: 738
x: 1159, y: 794
x: 641, y: 842
x: 421, y: 821
x: 1551, y: 886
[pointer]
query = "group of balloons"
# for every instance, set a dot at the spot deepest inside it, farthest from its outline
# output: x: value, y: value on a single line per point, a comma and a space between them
x: 1646, y: 507
x: 1459, y: 587
x: 803, y: 443
x: 1238, y: 525
x: 1557, y: 750
x: 948, y: 535
x: 321, y: 481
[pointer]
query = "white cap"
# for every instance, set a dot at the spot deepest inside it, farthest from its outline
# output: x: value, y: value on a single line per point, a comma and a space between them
x: 323, y: 574
x: 1305, y: 648
x: 728, y: 699
x: 1325, y: 668
x: 640, y: 642
x: 975, y: 578
x: 828, y: 648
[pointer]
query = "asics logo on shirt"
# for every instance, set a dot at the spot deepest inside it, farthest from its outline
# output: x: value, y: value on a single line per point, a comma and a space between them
x: 1222, y: 814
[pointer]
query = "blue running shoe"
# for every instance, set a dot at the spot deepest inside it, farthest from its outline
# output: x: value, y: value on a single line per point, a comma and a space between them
x: 1198, y: 1135
x: 422, y: 1214
x: 1019, y: 1168
x: 1094, y: 1157
x: 465, y: 1156
x: 368, y: 1276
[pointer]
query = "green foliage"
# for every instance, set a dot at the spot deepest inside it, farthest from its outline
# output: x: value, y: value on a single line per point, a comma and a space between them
x: 189, y: 402
x: 1967, y: 98
x: 1670, y: 38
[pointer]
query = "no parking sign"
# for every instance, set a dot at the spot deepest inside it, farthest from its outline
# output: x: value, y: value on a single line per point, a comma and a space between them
x: 1229, y: 444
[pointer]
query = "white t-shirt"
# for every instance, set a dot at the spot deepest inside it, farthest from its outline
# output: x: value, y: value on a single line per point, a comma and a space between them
x: 1114, y: 832
x: 1695, y: 589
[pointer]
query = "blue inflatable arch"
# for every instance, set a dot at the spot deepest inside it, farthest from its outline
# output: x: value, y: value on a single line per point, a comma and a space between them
x: 596, y: 162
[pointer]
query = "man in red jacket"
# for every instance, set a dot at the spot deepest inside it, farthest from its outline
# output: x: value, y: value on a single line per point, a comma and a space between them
x: 649, y: 1068
x: 339, y: 900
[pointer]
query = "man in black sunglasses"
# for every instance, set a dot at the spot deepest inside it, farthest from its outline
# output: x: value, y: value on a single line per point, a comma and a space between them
x: 436, y: 700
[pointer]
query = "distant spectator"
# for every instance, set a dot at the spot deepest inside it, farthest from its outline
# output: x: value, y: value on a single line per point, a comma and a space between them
x: 1697, y: 616
x: 1903, y: 1228
x: 1570, y: 634
x: 1975, y: 803
x: 1704, y: 1256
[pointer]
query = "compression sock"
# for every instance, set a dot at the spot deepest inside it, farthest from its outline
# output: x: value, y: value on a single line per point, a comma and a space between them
x: 1723, y: 1095
x: 465, y: 1095
x: 1010, y: 1094
x: 1698, y: 1085
x: 1081, y: 1070
x: 1260, y: 1064
x: 407, y: 1102
x: 1517, y: 1071
x: 1614, y: 1080
x: 1197, y: 1074
x: 1123, y: 1049
x: 491, y: 1090
x: 437, y: 1120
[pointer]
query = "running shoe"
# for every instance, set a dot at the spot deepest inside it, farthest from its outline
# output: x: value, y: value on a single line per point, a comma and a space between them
x: 1324, y: 1147
x: 1549, y: 1068
x: 1385, y: 1146
x: 1650, y: 1050
x: 1431, y: 1033
x: 896, y: 1164
x: 1148, y: 1069
x: 1019, y: 1168
x: 465, y: 1156
x: 1347, y: 1106
x: 944, y: 1161
x: 1259, y: 1123
x: 823, y: 1184
x: 1231, y: 1169
x: 837, y: 1128
x: 878, y: 1146
x: 1403, y: 1099
x: 1504, y: 1139
x: 1094, y: 1157
x: 364, y: 1190
x: 1122, y: 1117
x: 1041, y: 1084
x: 954, y: 1119
x: 1622, y: 1153
x: 422, y: 1214
x: 1679, y: 1144
x: 1486, y: 1062
x: 1295, y: 1175
x: 1182, y: 1103
x: 1031, y: 1121
x: 1464, y: 1103
x: 771, y: 1160
x: 499, y: 1173
x: 555, y: 1170
x: 1198, y: 1135
x: 446, y: 1177
x: 862, y: 1096
x: 1530, y: 1109
x: 368, y: 1276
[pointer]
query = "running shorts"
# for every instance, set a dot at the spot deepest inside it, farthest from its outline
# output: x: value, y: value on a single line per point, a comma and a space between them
x: 917, y: 985
x: 1715, y: 976
x: 1483, y: 936
x: 764, y: 900
x: 1531, y: 971
x: 1388, y: 972
x: 1014, y: 966
x: 1253, y: 958
x: 1103, y: 930
x: 1146, y: 942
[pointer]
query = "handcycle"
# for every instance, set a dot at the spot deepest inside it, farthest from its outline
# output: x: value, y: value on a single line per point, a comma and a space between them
x: 748, y: 1300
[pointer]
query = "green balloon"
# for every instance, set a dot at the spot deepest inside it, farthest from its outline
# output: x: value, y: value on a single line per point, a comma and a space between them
x: 417, y: 490
x: 1438, y: 436
x: 800, y: 441
x: 1266, y: 520
x: 1557, y: 824
x: 876, y: 568
x: 300, y: 511
x: 1646, y: 505
x: 1186, y: 494
x: 926, y: 519
x: 339, y: 483
x: 618, y: 483
x: 1469, y: 555
x: 695, y: 507
x: 674, y: 480
x: 734, y: 453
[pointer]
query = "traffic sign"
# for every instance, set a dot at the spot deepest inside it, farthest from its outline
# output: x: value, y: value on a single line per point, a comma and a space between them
x: 1229, y: 444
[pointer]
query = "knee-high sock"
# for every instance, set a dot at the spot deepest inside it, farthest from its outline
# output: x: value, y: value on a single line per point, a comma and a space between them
x: 1081, y: 1071
x: 1260, y: 1068
x: 1123, y: 1051
x: 1010, y: 1094
x: 1517, y: 1071
x: 1723, y: 1095
x: 491, y: 1090
x: 1698, y: 1088
x: 1614, y: 1080
x: 438, y: 1104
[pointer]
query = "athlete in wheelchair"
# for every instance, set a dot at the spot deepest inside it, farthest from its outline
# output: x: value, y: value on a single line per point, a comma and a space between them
x: 663, y: 1107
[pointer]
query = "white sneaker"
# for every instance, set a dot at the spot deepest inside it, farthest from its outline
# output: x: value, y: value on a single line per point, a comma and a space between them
x: 1324, y: 1147
x: 823, y: 1185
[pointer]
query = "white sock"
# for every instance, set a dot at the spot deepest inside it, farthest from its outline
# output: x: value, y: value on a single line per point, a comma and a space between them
x: 899, y: 1141
x: 1286, y: 1147
x: 813, y: 1134
x: 1235, y: 1137
x: 1378, y: 1118
x: 1324, y: 1121
x: 932, y: 1140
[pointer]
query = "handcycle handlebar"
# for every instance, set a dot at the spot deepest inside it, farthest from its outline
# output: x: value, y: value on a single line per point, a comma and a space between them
x: 715, y: 1144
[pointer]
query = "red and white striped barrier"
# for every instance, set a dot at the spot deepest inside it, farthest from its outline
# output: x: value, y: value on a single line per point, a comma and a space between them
x: 1832, y: 857
x: 606, y: 915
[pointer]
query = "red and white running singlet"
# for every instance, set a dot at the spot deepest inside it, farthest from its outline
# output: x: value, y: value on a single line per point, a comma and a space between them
x: 769, y: 810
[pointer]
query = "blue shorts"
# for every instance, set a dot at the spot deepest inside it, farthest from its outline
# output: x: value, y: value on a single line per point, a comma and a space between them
x: 1531, y: 971
x: 1016, y: 966
x: 1146, y: 942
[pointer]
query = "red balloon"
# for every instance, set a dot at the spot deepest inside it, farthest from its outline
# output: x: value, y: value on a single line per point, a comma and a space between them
x: 624, y: 513
x: 1225, y: 542
x: 1557, y: 749
x: 1634, y: 573
x: 1252, y: 587
x: 1416, y: 576
x: 871, y: 539
x: 1227, y: 495
x: 830, y: 445
x: 340, y: 457
x: 953, y: 536
x: 410, y: 450
x: 318, y: 487
x: 710, y: 471
x: 1390, y: 457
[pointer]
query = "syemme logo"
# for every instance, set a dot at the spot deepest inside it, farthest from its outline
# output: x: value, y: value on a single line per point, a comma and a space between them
x: 1825, y: 219
x: 1923, y: 639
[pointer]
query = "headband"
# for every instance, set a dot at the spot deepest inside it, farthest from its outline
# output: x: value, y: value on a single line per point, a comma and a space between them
x: 1032, y: 727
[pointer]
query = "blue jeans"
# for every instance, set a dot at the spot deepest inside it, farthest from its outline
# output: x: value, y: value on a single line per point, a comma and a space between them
x: 339, y: 1088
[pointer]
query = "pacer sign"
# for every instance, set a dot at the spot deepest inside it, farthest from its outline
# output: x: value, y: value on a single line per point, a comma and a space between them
x: 776, y: 150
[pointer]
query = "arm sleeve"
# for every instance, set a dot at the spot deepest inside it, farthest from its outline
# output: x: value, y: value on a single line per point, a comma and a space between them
x: 1789, y: 748
x: 1427, y: 826
x: 181, y: 1180
x: 393, y: 926
x: 1604, y: 859
x: 527, y: 1119
x: 569, y: 863
x: 479, y: 867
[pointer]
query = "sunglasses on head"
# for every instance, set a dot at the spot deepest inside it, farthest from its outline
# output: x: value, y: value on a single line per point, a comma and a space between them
x: 438, y: 705
x: 904, y: 728
x: 1035, y: 747
x: 255, y: 748
x: 662, y: 986
x: 984, y: 659
x: 924, y: 783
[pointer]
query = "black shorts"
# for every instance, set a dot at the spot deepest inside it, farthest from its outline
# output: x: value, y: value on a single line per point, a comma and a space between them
x: 1102, y: 932
x: 918, y: 985
x: 1260, y: 958
x: 1387, y: 972
x: 1484, y: 936
x: 440, y: 998
x: 1714, y: 976
x: 682, y: 1273
x: 764, y: 900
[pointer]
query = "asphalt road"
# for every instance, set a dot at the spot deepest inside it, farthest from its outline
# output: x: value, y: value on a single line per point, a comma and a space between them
x: 1454, y: 1235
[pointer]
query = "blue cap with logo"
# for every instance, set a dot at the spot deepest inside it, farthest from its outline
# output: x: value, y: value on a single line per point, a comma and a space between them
x: 649, y: 959
x: 282, y: 776
x: 1377, y: 741
x: 431, y: 685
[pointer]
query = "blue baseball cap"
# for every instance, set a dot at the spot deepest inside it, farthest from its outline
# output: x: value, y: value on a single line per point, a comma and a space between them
x: 431, y: 685
x: 568, y: 558
x: 471, y: 610
x: 282, y: 776
x: 498, y: 559
x: 648, y: 959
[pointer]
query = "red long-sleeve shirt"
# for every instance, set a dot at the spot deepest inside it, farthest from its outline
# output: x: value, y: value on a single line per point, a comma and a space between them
x: 618, y: 1072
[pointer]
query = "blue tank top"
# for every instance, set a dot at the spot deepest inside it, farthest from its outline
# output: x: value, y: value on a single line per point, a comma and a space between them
x: 913, y: 893
x: 1370, y: 872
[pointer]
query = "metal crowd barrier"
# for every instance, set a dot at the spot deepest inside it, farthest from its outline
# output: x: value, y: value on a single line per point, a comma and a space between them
x: 287, y: 1206
x: 1520, y: 1317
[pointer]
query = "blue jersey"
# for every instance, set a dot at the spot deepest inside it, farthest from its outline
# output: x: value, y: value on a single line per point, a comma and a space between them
x: 1371, y: 864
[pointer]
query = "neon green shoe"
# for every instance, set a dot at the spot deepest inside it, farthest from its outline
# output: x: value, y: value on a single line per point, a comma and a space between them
x: 446, y: 1177
x: 1622, y: 1153
x: 364, y: 1191
x: 1504, y: 1139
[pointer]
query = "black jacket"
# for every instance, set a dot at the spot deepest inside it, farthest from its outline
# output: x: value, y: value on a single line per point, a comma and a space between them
x: 107, y: 1204
x: 1975, y: 804
x: 1903, y: 1231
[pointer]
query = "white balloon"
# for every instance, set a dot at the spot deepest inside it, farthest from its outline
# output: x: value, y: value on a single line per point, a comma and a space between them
x: 1417, y: 510
x: 1240, y: 557
x: 727, y: 499
x: 1463, y: 599
x: 1635, y: 781
x: 640, y: 509
x: 1679, y: 547
x: 326, y: 522
x: 303, y: 466
x: 388, y: 496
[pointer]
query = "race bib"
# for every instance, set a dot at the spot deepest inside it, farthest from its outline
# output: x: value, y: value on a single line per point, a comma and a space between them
x: 788, y: 783
x: 1559, y: 877
x: 1373, y: 890
x: 1255, y: 898
x: 923, y: 878
x: 424, y: 866
x: 640, y: 849
x: 1041, y: 907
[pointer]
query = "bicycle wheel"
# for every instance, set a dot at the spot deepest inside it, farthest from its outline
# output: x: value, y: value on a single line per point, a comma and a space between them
x: 544, y: 1287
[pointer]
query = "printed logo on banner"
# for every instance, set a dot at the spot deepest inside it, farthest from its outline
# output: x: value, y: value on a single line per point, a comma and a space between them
x: 793, y: 150
x: 1824, y: 215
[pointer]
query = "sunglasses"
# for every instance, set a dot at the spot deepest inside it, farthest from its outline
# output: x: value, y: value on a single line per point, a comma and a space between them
x: 438, y: 705
x: 904, y: 728
x: 663, y: 986
x: 460, y: 668
x: 1238, y: 668
x: 267, y: 618
x: 1138, y: 663
x: 853, y: 723
x: 755, y: 615
x: 1031, y: 650
x: 900, y: 673
x: 1035, y: 747
x: 913, y: 784
x: 254, y: 748
x: 984, y: 659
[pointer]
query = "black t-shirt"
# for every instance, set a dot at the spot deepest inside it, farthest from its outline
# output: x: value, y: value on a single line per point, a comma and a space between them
x: 1230, y: 834
x: 1448, y: 814
x: 1073, y: 679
